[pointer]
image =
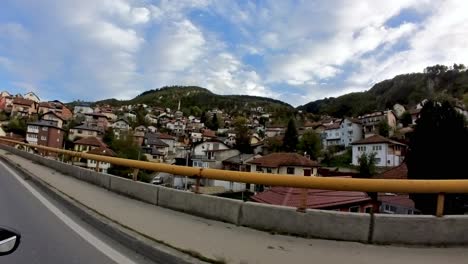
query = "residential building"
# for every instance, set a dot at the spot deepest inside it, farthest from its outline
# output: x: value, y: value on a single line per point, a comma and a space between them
x: 371, y: 121
x: 23, y: 107
x: 53, y: 117
x: 152, y: 119
x: 45, y: 133
x: 5, y: 94
x: 100, y: 166
x: 88, y: 143
x: 210, y: 154
x: 388, y: 153
x: 237, y: 163
x: 332, y: 135
x: 392, y: 203
x: 57, y: 107
x: 85, y: 130
x: 414, y: 115
x: 208, y: 134
x: 6, y: 103
x: 97, y: 119
x: 285, y: 163
x: 169, y: 140
x: 82, y: 109
x: 129, y: 116
x: 273, y: 131
x: 121, y: 124
x: 196, y: 137
x: 345, y: 201
x: 398, y: 109
x: 152, y: 129
x: 351, y: 131
x: 32, y: 96
x: 153, y: 145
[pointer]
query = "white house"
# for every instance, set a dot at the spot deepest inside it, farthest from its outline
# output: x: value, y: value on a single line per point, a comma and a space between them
x: 129, y: 116
x: 211, y: 153
x: 32, y: 96
x: 351, y: 131
x: 285, y: 163
x: 82, y: 109
x: 152, y: 119
x: 121, y: 124
x: 196, y: 136
x: 53, y: 117
x: 332, y: 135
x: 388, y: 153
x: 101, y: 166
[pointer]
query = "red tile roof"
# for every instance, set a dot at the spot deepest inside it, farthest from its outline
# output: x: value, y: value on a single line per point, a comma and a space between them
x: 375, y: 139
x: 399, y: 172
x: 317, y: 199
x: 332, y: 126
x: 102, y: 151
x: 208, y: 133
x: 22, y: 101
x: 91, y: 141
x: 396, y: 199
x: 275, y: 160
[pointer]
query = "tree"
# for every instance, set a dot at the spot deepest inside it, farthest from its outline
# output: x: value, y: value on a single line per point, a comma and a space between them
x: 242, y: 135
x: 383, y: 128
x: 17, y: 126
x: 406, y: 119
x: 109, y: 136
x: 203, y: 117
x: 437, y: 151
x: 274, y: 144
x: 195, y: 111
x: 214, y: 123
x: 366, y: 165
x: 290, y: 139
x: 310, y: 143
x: 127, y: 148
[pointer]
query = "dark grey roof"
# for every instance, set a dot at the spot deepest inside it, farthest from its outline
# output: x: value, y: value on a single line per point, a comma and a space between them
x: 152, y: 150
x: 154, y: 140
x: 45, y: 123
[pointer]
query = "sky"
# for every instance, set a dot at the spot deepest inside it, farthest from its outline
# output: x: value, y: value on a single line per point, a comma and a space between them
x: 295, y: 51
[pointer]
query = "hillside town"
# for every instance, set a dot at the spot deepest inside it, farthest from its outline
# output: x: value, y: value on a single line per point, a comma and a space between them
x: 212, y: 140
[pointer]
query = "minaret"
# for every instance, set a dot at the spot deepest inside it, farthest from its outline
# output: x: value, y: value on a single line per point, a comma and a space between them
x: 178, y: 107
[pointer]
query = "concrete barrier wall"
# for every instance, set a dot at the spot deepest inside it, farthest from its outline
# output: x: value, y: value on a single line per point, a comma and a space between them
x: 378, y: 228
x: 312, y: 223
x: 420, y: 229
x: 212, y: 207
x: 141, y: 191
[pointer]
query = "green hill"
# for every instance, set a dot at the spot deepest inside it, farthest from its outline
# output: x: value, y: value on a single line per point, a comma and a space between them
x: 437, y: 82
x: 191, y: 96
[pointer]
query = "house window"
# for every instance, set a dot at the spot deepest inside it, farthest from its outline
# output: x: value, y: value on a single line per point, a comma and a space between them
x: 354, y: 209
x: 377, y: 160
x: 268, y: 170
x: 259, y: 168
x: 368, y: 209
x: 43, y: 138
x: 290, y: 170
x: 80, y: 131
x: 410, y: 211
x: 44, y: 128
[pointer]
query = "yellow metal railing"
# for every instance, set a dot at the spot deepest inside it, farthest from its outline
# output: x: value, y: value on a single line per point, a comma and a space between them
x: 325, y: 183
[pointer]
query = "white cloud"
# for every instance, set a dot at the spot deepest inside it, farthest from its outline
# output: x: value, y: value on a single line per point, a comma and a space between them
x: 118, y: 48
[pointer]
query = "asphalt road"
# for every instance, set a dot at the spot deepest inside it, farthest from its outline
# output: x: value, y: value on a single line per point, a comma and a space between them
x: 45, y: 237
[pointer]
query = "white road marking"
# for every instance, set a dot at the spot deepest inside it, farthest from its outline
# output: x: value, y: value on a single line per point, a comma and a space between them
x: 90, y: 238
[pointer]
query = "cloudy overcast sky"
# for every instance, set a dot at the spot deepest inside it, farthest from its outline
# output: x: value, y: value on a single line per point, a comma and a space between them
x: 296, y: 51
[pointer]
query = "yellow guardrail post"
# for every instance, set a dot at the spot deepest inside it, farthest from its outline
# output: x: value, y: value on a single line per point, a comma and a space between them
x: 440, y: 204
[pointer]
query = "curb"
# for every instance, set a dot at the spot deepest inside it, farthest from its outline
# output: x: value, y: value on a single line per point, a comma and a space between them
x: 157, y: 252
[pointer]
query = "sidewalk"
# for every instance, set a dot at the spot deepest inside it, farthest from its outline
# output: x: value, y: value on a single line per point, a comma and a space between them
x: 226, y: 242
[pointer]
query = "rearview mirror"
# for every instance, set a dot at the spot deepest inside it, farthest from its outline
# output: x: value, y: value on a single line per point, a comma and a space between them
x: 9, y: 241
